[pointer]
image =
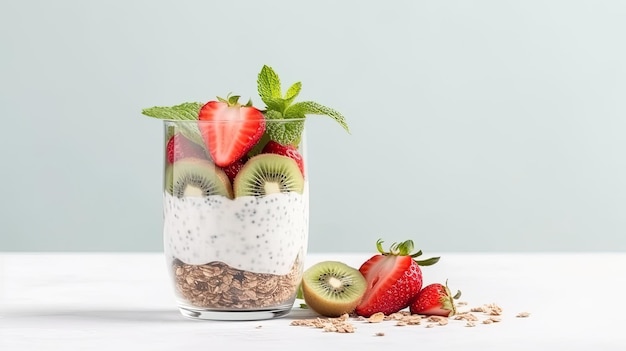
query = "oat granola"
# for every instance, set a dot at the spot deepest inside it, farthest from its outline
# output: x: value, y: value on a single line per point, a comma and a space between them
x: 217, y: 285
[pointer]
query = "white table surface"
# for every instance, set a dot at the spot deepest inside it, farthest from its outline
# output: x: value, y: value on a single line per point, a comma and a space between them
x: 124, y: 301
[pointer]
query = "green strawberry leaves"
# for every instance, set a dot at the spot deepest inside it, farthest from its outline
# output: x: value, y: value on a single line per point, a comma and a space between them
x: 405, y: 249
x: 282, y: 107
x: 187, y: 111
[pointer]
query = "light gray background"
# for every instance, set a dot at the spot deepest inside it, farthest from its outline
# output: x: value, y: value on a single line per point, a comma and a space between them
x: 476, y: 125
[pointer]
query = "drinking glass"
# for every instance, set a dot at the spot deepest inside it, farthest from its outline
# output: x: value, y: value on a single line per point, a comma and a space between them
x: 235, y: 236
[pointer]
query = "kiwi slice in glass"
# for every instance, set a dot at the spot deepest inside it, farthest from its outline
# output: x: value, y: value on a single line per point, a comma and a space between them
x: 332, y: 288
x: 194, y: 177
x: 266, y: 174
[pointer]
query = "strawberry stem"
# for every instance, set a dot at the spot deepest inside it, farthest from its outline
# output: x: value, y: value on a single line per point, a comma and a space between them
x: 428, y: 262
x: 405, y: 248
x: 457, y: 295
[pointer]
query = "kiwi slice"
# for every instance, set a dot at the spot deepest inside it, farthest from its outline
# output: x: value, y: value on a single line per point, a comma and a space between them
x: 266, y: 174
x: 332, y: 288
x: 196, y: 178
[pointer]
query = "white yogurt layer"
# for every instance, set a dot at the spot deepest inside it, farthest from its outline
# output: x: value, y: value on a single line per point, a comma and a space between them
x: 258, y: 234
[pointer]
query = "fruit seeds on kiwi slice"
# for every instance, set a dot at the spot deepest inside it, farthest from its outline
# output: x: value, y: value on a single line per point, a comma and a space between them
x: 332, y: 288
x: 266, y: 174
x: 194, y: 177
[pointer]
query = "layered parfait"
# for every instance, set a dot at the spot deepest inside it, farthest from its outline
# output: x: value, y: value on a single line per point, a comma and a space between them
x: 235, y: 197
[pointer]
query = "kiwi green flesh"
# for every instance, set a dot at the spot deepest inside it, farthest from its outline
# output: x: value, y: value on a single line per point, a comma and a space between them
x: 192, y: 177
x: 332, y: 288
x: 266, y: 174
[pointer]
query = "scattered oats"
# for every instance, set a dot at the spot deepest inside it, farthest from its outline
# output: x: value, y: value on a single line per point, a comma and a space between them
x: 443, y: 322
x: 300, y: 322
x: 412, y: 320
x: 522, y: 315
x: 467, y: 316
x: 401, y: 323
x: 336, y: 325
x: 379, y: 334
x: 431, y: 325
x: 495, y: 319
x: 345, y: 328
x: 361, y: 318
x: 494, y: 309
x: 487, y: 321
x: 340, y: 327
x: 395, y: 316
x: 491, y: 309
x: 462, y: 303
x: 470, y: 324
x: 436, y: 319
x: 344, y: 317
x: 376, y: 317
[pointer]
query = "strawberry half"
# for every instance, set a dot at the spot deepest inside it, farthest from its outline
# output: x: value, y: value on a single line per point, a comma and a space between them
x: 233, y: 131
x: 393, y: 278
x: 435, y: 300
x: 273, y: 147
x: 179, y: 147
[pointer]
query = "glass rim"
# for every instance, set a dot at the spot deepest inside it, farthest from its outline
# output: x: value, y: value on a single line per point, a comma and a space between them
x: 282, y: 120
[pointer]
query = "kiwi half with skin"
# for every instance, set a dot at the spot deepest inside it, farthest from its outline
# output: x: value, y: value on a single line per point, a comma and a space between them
x: 194, y: 177
x: 266, y: 174
x: 332, y: 288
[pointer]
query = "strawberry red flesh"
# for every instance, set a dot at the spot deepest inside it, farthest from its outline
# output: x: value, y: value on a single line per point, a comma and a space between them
x: 179, y: 147
x: 393, y: 279
x: 392, y: 282
x: 274, y: 147
x: 231, y: 129
x: 233, y: 169
x: 434, y: 300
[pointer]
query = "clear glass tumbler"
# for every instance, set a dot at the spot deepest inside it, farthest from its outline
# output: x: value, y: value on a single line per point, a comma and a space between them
x: 235, y: 236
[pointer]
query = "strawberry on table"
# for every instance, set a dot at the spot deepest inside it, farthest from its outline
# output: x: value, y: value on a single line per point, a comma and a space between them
x: 393, y: 278
x: 179, y: 147
x: 274, y: 147
x: 435, y: 300
x: 242, y: 128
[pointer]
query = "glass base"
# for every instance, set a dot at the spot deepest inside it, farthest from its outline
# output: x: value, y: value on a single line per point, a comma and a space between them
x: 230, y: 315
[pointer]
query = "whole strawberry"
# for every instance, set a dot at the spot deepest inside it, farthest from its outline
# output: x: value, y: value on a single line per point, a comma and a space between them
x: 393, y: 279
x: 274, y: 147
x: 435, y: 300
x: 179, y: 147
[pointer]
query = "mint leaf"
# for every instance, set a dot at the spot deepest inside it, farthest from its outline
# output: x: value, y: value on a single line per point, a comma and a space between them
x: 283, y: 130
x: 268, y: 84
x: 276, y: 104
x: 283, y: 108
x: 184, y: 111
x: 304, y: 108
x: 292, y: 92
x: 187, y: 111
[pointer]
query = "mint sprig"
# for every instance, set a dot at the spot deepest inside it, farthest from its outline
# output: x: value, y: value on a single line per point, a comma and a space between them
x: 281, y: 107
x: 187, y: 111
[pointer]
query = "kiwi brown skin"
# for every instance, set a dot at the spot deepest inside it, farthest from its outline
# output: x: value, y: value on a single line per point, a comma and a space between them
x: 333, y: 304
x: 266, y: 174
x: 197, y: 172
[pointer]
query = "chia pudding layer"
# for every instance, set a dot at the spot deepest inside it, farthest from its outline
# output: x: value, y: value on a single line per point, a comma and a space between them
x: 258, y: 234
